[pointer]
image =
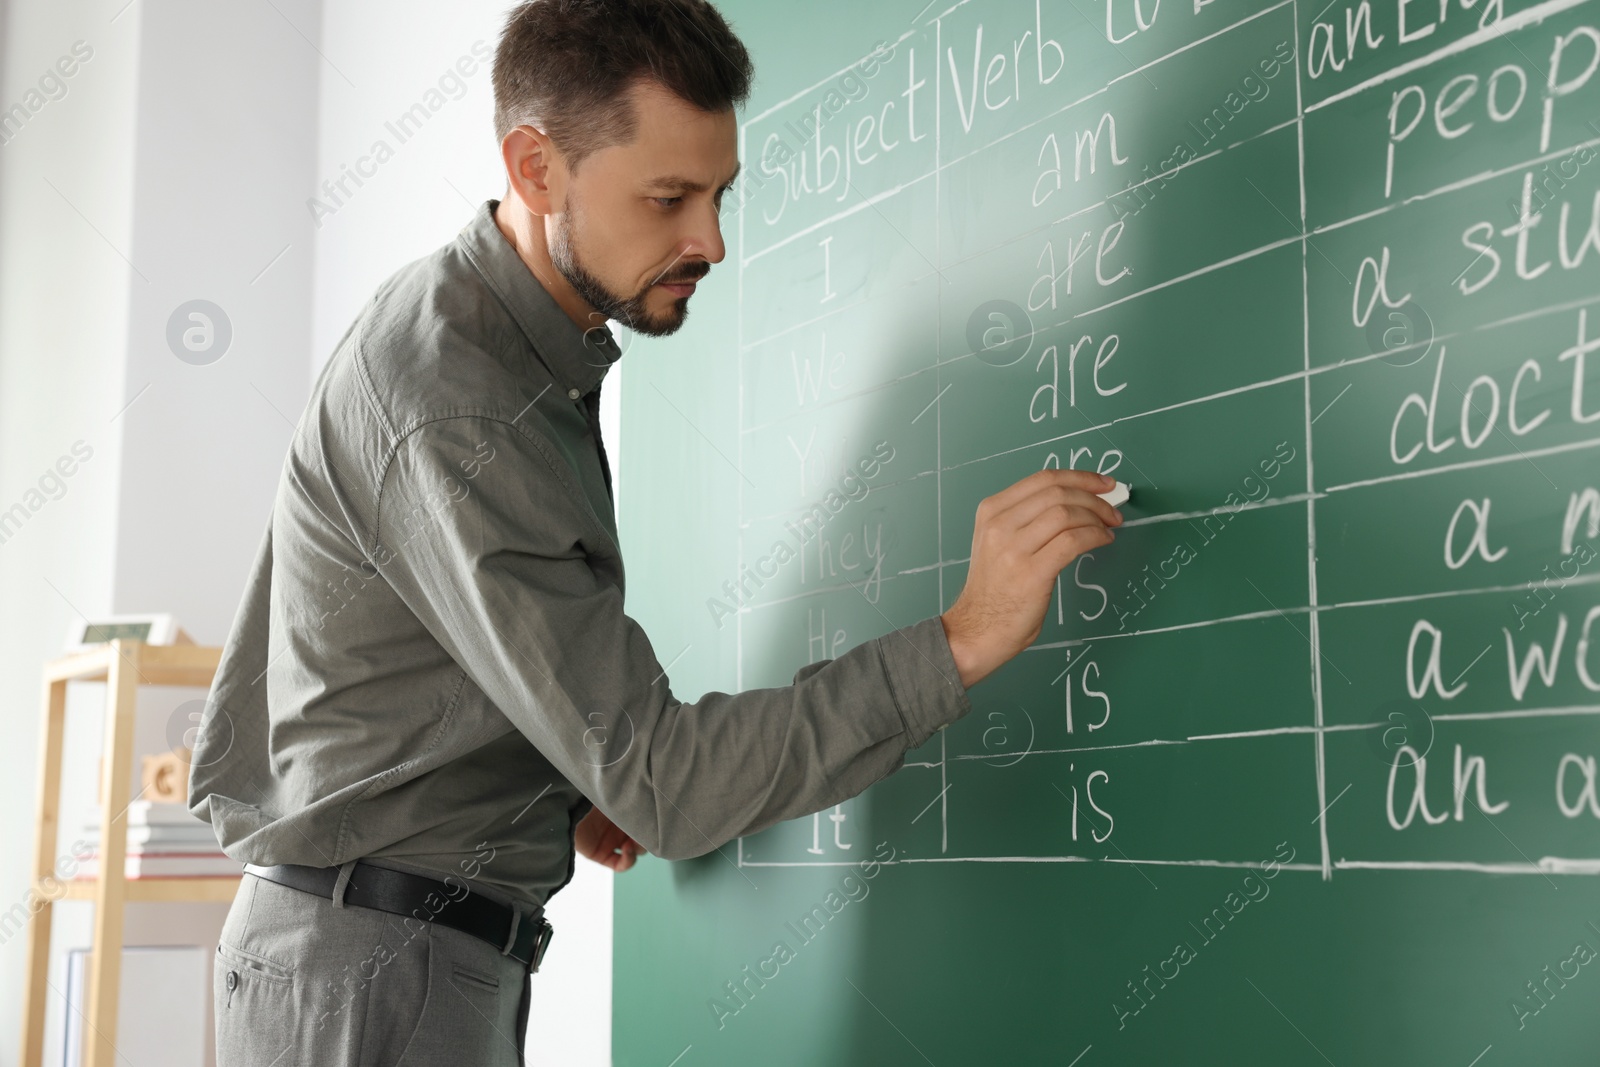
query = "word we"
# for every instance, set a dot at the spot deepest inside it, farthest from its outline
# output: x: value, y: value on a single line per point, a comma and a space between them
x: 855, y: 889
x: 406, y: 126
x: 1184, y: 953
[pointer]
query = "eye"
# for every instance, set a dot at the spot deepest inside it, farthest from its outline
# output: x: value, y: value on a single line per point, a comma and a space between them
x: 666, y: 201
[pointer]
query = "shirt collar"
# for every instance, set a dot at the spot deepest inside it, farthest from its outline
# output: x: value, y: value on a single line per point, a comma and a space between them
x: 578, y: 359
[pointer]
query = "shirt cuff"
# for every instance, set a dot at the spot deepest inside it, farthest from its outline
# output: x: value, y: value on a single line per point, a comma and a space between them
x: 923, y: 679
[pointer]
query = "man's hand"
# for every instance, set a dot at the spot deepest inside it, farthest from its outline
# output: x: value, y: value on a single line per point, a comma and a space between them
x: 1023, y: 536
x: 600, y: 839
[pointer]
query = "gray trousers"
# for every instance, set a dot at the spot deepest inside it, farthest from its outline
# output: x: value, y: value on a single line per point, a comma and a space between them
x: 300, y: 982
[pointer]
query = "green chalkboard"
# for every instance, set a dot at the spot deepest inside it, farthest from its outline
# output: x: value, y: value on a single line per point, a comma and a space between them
x: 1302, y: 769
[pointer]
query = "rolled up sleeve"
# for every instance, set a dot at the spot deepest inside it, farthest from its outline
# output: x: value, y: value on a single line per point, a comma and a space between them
x: 498, y: 561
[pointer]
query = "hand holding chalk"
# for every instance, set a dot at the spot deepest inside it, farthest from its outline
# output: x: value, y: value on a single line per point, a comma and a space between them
x: 1022, y: 539
x: 1118, y: 495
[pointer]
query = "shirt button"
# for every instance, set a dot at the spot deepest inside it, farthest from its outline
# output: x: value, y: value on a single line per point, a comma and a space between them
x: 573, y: 394
x: 233, y: 981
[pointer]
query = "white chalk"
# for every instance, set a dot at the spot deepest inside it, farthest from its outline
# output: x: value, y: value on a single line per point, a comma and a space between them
x: 1117, y: 495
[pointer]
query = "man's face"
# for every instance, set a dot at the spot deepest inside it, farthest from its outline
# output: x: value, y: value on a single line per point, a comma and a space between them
x: 639, y: 222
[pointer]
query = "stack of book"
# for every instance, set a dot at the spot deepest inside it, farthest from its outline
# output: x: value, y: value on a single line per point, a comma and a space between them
x: 164, y: 841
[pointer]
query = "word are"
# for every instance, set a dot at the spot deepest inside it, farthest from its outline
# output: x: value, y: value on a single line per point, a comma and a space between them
x: 853, y: 486
x: 1184, y: 952
x: 337, y: 192
x: 52, y: 85
x: 52, y: 485
x: 1540, y: 995
x: 740, y: 991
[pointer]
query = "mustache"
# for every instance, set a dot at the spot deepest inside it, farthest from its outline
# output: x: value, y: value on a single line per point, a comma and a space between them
x: 692, y: 272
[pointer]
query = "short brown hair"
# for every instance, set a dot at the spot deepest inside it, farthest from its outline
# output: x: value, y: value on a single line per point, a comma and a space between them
x: 564, y: 65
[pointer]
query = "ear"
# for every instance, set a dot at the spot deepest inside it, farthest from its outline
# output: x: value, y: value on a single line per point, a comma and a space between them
x: 534, y: 169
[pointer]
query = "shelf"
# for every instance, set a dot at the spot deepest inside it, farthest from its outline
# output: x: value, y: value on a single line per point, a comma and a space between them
x: 212, y: 889
x: 194, y: 665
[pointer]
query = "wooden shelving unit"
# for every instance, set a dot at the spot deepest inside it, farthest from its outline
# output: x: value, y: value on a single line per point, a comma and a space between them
x: 124, y: 666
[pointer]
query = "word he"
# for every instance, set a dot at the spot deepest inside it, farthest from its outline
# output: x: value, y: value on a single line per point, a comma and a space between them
x: 52, y: 486
x: 1184, y: 553
x: 52, y: 86
x: 409, y: 123
x: 471, y: 467
x: 855, y: 889
x: 808, y: 525
x: 1184, y: 953
x: 1183, y: 152
x: 1582, y: 955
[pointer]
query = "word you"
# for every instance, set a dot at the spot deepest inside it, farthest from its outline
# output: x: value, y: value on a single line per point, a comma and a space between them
x: 1184, y: 952
x: 1540, y: 995
x: 1142, y: 593
x: 740, y: 992
x: 336, y: 192
x: 52, y: 485
x: 52, y: 85
x: 800, y: 530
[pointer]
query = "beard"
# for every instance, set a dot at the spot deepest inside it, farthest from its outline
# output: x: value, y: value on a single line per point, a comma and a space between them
x: 628, y: 310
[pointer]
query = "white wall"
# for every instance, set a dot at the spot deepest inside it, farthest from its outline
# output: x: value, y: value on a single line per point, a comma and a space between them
x: 177, y: 166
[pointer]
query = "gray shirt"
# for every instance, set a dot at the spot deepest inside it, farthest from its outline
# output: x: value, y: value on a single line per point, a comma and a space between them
x: 432, y: 667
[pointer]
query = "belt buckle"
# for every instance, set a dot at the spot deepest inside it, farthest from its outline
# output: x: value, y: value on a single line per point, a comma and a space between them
x: 541, y: 941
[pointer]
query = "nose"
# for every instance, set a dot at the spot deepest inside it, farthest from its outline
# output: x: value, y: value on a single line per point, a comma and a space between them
x: 705, y: 236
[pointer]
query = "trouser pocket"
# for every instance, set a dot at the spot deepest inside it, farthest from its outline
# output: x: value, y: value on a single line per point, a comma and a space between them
x: 254, y: 1003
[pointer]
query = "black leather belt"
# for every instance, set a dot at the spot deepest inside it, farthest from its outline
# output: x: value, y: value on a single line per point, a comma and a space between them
x: 450, y: 904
